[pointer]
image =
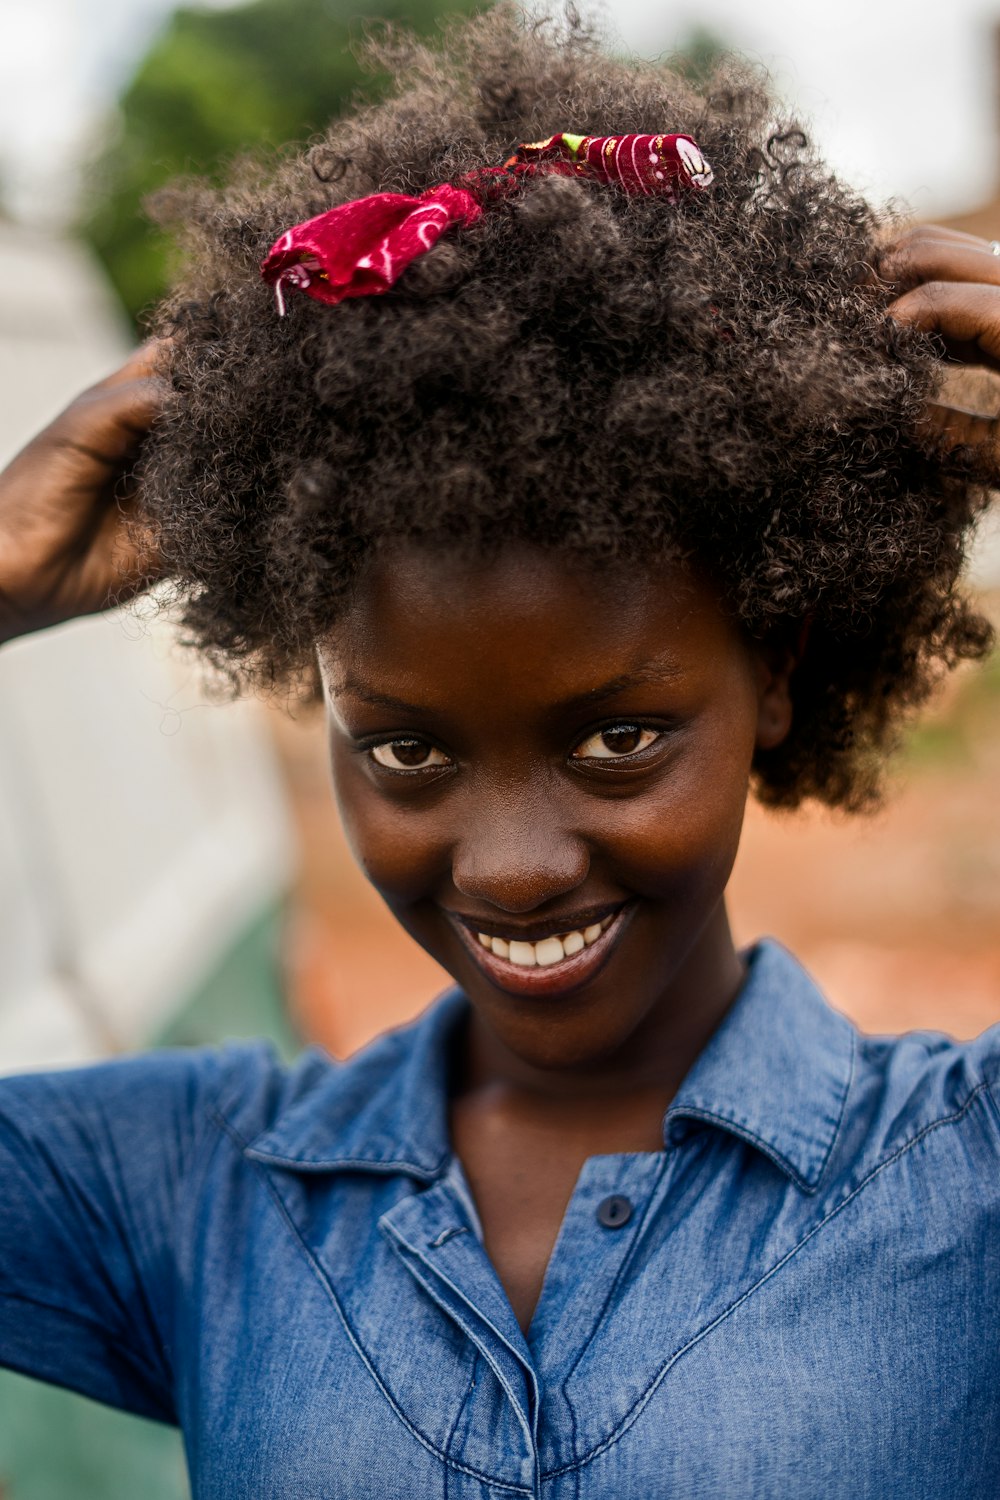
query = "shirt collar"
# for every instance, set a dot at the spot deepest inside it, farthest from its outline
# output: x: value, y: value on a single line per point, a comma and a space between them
x: 776, y: 1073
x: 385, y: 1110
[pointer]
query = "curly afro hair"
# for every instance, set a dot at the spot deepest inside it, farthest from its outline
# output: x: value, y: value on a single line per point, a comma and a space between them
x: 610, y: 374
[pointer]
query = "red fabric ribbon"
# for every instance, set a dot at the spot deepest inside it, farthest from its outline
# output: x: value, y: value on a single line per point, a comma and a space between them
x: 361, y: 248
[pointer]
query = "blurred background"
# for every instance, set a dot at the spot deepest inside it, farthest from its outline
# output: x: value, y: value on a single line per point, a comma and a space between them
x: 173, y: 871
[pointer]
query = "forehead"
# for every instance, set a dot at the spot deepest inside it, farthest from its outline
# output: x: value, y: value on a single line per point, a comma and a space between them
x: 429, y: 619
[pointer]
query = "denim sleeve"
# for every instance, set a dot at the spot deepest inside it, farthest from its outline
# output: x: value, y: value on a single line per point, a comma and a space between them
x: 986, y: 1051
x: 99, y: 1167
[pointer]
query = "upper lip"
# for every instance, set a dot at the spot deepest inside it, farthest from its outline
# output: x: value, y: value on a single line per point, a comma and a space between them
x: 534, y: 932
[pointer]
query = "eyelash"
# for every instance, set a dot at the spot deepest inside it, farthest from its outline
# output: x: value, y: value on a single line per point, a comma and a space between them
x: 605, y: 760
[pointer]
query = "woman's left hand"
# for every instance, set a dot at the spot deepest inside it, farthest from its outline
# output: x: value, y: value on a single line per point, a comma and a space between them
x: 949, y: 284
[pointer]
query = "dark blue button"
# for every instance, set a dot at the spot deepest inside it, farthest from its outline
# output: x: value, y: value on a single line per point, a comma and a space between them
x: 613, y: 1212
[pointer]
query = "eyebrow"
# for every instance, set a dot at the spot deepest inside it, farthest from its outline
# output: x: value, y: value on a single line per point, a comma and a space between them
x: 377, y: 700
x: 654, y: 674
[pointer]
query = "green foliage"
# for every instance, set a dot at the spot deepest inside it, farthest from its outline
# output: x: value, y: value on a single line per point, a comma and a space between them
x: 970, y: 718
x: 214, y: 83
x: 698, y: 55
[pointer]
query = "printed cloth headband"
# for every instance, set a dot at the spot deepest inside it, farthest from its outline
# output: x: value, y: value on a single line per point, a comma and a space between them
x: 360, y: 249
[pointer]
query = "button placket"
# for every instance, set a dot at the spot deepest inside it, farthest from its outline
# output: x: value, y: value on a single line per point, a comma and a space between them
x: 587, y: 1265
x: 444, y: 1255
x: 589, y: 1252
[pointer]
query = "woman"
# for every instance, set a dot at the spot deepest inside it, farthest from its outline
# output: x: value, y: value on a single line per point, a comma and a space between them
x: 595, y: 482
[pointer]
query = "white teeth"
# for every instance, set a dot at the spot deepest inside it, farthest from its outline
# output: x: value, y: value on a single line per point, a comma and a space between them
x: 549, y: 951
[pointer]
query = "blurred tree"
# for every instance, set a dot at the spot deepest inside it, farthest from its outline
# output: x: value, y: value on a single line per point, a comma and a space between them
x: 216, y: 82
x: 698, y: 54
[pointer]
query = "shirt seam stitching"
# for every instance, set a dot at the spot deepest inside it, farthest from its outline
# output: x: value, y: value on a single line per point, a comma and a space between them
x: 641, y: 1401
x: 335, y: 1163
x: 502, y: 1379
x: 352, y: 1336
x: 469, y: 1388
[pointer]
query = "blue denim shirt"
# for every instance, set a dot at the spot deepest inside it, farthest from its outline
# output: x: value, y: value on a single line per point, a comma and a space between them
x: 799, y: 1298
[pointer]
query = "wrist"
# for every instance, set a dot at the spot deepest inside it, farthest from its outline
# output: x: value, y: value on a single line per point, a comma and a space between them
x: 12, y: 621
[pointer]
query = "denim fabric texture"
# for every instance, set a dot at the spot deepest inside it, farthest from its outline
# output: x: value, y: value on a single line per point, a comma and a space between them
x: 286, y: 1262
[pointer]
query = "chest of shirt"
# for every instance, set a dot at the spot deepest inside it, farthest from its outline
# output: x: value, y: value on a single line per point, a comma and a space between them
x: 343, y: 1333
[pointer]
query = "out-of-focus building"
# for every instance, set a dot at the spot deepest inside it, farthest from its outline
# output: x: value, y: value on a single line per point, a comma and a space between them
x: 145, y: 851
x: 142, y: 830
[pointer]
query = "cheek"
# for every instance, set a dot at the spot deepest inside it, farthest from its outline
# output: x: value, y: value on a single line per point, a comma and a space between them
x: 682, y: 838
x: 400, y: 851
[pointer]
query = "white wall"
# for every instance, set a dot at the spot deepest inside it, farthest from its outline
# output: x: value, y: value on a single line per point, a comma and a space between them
x: 140, y: 827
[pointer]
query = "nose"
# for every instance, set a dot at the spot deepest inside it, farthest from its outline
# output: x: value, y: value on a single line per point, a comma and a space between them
x: 514, y: 855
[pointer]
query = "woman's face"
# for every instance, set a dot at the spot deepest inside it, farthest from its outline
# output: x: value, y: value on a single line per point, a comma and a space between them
x: 543, y: 768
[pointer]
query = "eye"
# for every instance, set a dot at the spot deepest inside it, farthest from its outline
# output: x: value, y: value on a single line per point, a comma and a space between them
x: 615, y: 742
x: 408, y: 755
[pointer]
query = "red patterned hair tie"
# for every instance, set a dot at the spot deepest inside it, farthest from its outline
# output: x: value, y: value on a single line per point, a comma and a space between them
x: 361, y: 248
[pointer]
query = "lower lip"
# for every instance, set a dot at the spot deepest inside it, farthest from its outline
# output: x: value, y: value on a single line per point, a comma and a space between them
x: 552, y: 979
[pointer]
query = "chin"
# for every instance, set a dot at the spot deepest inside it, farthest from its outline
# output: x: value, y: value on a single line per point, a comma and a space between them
x: 578, y: 1031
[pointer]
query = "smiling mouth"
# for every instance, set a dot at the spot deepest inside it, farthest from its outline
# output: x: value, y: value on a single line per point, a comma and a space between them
x: 552, y: 965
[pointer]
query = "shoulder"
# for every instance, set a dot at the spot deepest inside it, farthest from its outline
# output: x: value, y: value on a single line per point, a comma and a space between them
x: 909, y: 1088
x: 932, y: 1062
x: 164, y: 1096
x: 179, y: 1101
x: 835, y: 1103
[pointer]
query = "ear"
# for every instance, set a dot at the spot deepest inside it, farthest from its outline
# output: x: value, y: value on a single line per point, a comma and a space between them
x: 775, y: 664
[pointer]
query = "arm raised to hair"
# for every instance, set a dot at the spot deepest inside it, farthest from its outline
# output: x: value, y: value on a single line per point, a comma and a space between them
x: 949, y: 285
x: 66, y: 501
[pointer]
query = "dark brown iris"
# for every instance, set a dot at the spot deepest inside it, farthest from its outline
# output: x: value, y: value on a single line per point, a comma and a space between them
x: 621, y: 739
x: 410, y: 752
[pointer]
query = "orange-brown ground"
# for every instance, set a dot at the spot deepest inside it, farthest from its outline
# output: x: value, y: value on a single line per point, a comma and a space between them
x: 897, y: 916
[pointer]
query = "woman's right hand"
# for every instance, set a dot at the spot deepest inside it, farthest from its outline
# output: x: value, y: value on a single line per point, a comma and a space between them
x: 66, y: 546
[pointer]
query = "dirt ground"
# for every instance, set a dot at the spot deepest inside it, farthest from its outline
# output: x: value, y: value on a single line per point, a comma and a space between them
x: 897, y: 916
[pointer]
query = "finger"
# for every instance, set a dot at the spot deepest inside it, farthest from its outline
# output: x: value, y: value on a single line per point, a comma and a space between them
x: 897, y: 248
x: 939, y: 258
x: 94, y: 437
x: 966, y: 316
x: 148, y: 359
x: 123, y: 558
x: 910, y: 241
x: 958, y: 426
x: 108, y: 422
x: 915, y: 233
